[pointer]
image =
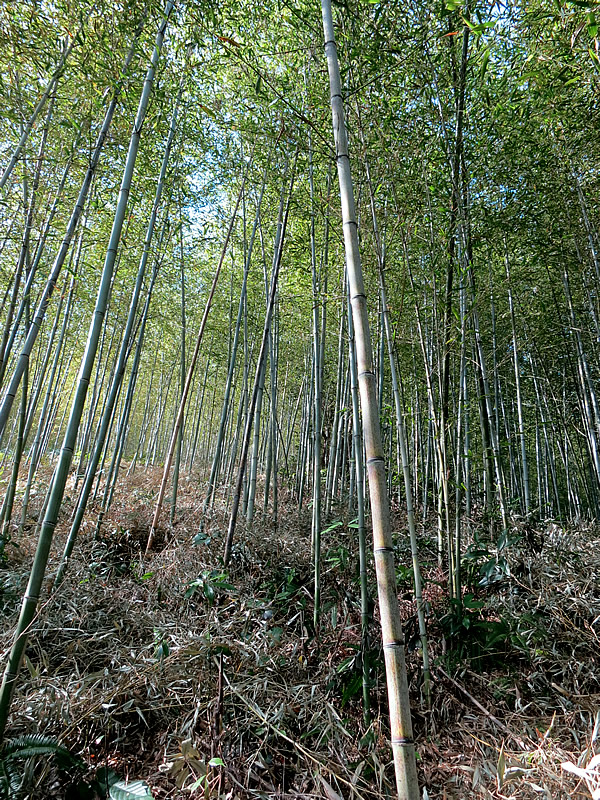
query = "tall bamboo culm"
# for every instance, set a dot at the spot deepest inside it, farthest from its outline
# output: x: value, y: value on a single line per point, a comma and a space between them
x: 393, y: 638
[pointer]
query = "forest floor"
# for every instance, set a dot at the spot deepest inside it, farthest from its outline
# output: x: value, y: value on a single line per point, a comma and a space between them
x: 183, y: 674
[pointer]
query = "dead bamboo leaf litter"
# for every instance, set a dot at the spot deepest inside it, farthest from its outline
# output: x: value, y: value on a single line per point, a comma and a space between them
x: 124, y: 665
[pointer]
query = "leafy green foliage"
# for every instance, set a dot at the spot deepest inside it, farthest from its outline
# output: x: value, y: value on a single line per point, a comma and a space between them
x: 210, y: 584
x: 161, y: 645
x: 484, y: 564
x: 124, y: 790
x: 347, y: 681
x: 337, y: 557
x: 33, y: 748
x: 285, y: 587
x: 474, y: 633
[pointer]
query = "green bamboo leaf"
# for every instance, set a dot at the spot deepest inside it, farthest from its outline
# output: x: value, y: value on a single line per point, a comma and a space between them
x: 484, y: 63
x: 337, y: 524
x: 207, y: 110
x: 500, y: 769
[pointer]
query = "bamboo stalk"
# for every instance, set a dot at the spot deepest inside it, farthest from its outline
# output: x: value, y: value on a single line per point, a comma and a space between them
x: 393, y: 638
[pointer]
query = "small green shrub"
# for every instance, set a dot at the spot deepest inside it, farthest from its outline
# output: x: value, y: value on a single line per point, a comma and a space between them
x: 472, y: 634
x: 211, y: 583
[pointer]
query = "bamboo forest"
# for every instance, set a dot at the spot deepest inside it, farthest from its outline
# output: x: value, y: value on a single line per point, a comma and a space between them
x: 300, y: 399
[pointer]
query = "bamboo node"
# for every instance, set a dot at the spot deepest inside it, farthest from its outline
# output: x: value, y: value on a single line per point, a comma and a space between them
x: 393, y: 644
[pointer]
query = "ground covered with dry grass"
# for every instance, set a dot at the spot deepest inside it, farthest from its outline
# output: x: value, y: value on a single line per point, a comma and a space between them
x: 213, y: 683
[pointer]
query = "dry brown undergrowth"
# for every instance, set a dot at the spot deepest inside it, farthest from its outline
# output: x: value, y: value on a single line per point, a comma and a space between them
x: 132, y: 674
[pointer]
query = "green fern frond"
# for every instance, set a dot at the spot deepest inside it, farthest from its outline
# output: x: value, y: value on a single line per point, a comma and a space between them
x: 10, y: 780
x: 35, y: 744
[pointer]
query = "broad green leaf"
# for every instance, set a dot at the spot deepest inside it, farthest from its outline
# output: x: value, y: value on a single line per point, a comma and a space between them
x: 137, y: 790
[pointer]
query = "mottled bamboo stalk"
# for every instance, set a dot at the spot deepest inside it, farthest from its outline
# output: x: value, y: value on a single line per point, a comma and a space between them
x: 393, y: 638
